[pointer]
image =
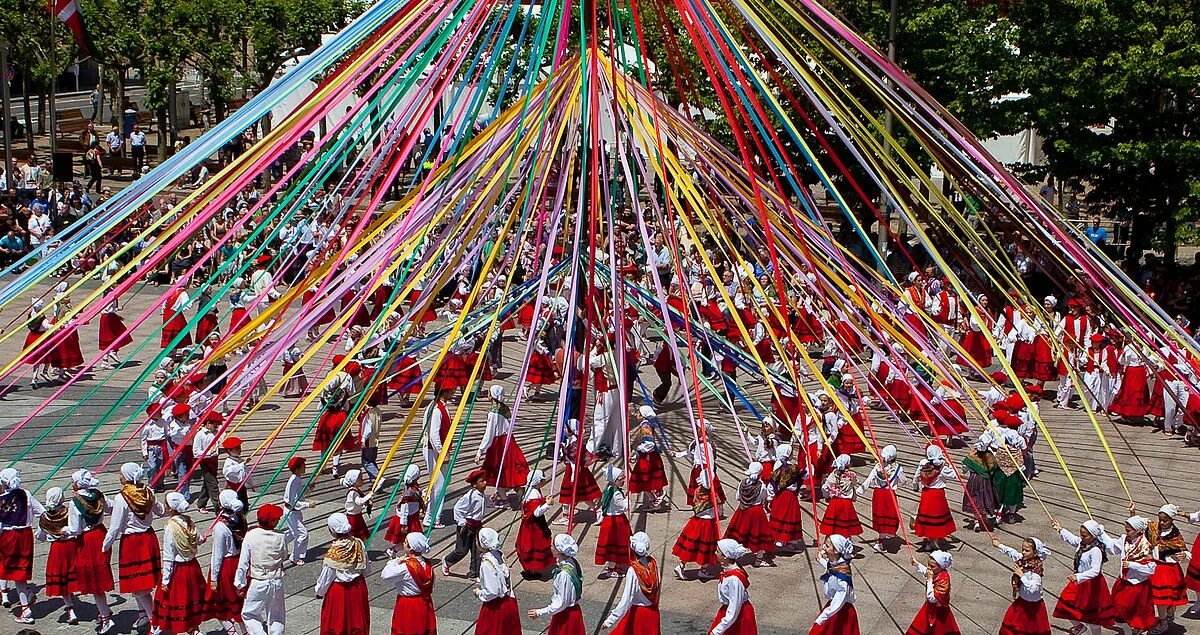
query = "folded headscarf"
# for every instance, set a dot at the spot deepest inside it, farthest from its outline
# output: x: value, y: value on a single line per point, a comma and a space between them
x: 178, y: 502
x: 1169, y: 509
x: 132, y: 472
x: 783, y: 452
x: 229, y: 500
x: 54, y: 520
x: 1095, y: 529
x: 942, y: 558
x: 1039, y: 548
x: 417, y: 543
x: 351, y: 478
x: 640, y: 543
x: 935, y: 455
x: 842, y: 545
x: 842, y: 462
x: 755, y: 470
x: 888, y: 453
x: 647, y: 412
x: 85, y: 479
x: 566, y: 545
x: 10, y: 478
x: 731, y: 549
x: 339, y: 524
x: 535, y: 478
x: 1138, y: 523
x: 411, y: 474
x: 496, y: 392
x: 612, y: 473
x: 489, y: 539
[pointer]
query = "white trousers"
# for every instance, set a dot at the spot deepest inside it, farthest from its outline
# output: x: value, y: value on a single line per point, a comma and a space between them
x: 434, y: 508
x: 296, y: 533
x: 603, y: 433
x: 1099, y: 389
x: 263, y: 610
x: 1175, y: 398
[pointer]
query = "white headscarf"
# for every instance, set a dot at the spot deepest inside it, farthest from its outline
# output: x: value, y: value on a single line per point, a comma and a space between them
x: 1096, y: 530
x: 647, y: 412
x: 535, y: 478
x: 85, y: 479
x: 612, y: 473
x: 1039, y: 548
x: 1169, y: 509
x: 754, y: 470
x: 234, y: 472
x: 888, y: 453
x: 132, y: 472
x: 1139, y: 523
x: 351, y: 478
x: 54, y: 497
x: 783, y: 452
x: 731, y: 548
x: 496, y: 392
x: 842, y: 462
x: 417, y: 543
x: 640, y: 543
x: 935, y: 455
x: 566, y: 545
x: 842, y: 545
x: 178, y: 502
x: 411, y: 474
x: 339, y: 523
x: 489, y: 539
x: 229, y: 500
x: 10, y: 478
x: 942, y: 558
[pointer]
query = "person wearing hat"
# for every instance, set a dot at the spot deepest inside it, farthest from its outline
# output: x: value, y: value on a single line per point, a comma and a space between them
x: 333, y: 426
x: 411, y: 576
x: 18, y: 508
x: 139, y: 565
x: 409, y: 510
x: 698, y: 541
x: 498, y: 452
x: 235, y: 470
x: 260, y: 574
x: 179, y: 603
x: 749, y: 524
x: 60, y: 574
x: 933, y: 522
x: 1099, y: 370
x: 173, y: 319
x: 294, y: 529
x: 1167, y: 587
x: 533, y: 548
x: 736, y: 615
x: 262, y: 283
x: 565, y: 616
x: 434, y: 436
x: 636, y: 612
x: 205, y: 452
x: 499, y: 614
x: 612, y: 548
x: 884, y: 480
x: 1086, y: 601
x: 935, y: 616
x: 357, y: 503
x: 468, y: 519
x: 1027, y: 613
x: 840, y: 489
x: 38, y: 324
x: 342, y: 585
x: 93, y: 569
x: 179, y: 436
x: 1131, y: 593
x: 648, y: 475
x: 153, y: 437
x: 838, y: 617
x: 224, y: 602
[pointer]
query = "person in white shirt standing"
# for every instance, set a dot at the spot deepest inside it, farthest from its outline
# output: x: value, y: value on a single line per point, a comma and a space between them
x: 204, y: 452
x: 137, y: 146
x: 636, y: 612
x: 295, y: 531
x: 566, y: 617
x: 225, y: 602
x: 468, y: 516
x: 342, y: 585
x: 39, y: 227
x: 260, y: 574
x: 838, y: 616
x: 17, y: 510
x: 736, y: 615
x: 412, y: 578
x: 139, y: 567
x: 499, y: 613
x: 179, y: 604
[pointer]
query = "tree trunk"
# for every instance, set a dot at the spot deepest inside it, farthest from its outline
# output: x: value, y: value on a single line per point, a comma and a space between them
x: 28, y: 110
x: 163, y: 127
x: 1170, y: 225
x: 42, y: 118
x: 172, y: 124
x: 119, y: 111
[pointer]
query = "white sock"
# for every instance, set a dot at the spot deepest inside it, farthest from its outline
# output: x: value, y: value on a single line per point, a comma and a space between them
x: 145, y: 602
x: 23, y: 593
x: 102, y: 605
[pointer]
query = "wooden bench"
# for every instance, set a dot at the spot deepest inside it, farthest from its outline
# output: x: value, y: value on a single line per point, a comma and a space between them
x: 120, y: 164
x: 145, y: 118
x: 71, y: 145
x: 234, y: 104
x: 71, y: 121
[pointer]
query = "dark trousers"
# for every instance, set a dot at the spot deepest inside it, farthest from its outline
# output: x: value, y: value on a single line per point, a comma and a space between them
x: 466, y: 541
x: 208, y: 483
x: 139, y: 156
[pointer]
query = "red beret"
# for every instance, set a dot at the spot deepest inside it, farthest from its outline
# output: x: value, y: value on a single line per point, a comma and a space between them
x: 295, y: 462
x: 1096, y: 339
x: 999, y: 377
x: 269, y: 514
x: 231, y: 442
x: 214, y: 416
x: 180, y: 410
x: 353, y: 368
x: 263, y: 260
x: 1011, y: 421
x: 154, y: 410
x: 476, y: 475
x: 337, y: 359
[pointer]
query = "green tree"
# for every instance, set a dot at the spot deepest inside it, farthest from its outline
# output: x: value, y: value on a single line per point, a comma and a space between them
x: 25, y: 25
x: 1113, y: 91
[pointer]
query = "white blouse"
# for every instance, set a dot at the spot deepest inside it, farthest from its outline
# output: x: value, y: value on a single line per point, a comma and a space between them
x: 329, y: 575
x: 1030, y: 586
x: 1090, y: 561
x: 126, y: 523
x: 396, y: 573
x: 732, y: 593
x: 631, y: 595
x: 493, y: 577
x: 837, y: 591
x: 223, y: 546
x: 564, y: 596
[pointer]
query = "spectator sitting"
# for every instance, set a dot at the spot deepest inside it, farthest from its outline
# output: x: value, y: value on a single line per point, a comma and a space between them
x: 12, y: 247
x: 1097, y: 234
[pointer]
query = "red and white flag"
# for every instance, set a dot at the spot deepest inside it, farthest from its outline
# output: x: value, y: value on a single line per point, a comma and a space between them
x: 68, y: 12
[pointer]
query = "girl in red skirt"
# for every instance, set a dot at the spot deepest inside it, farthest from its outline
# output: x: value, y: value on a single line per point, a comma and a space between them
x: 112, y: 333
x: 17, y: 510
x: 533, y: 536
x: 406, y: 380
x: 566, y: 617
x: 935, y: 616
x: 1167, y: 588
x: 356, y: 504
x: 698, y: 540
x: 174, y: 321
x: 499, y: 613
x: 224, y: 602
x: 612, y: 548
x: 933, y: 522
x: 1086, y: 599
x: 736, y: 615
x: 60, y: 571
x: 786, y: 513
x: 572, y: 491
x: 409, y: 511
x: 179, y: 600
x: 884, y: 479
x: 498, y: 452
x: 93, y: 570
x: 749, y: 524
x: 345, y: 607
x: 840, y: 488
x: 636, y: 612
x: 648, y: 475
x: 67, y: 353
x: 412, y: 578
x: 542, y: 371
x: 974, y: 341
x: 334, y: 418
x: 1027, y: 614
x: 1132, y: 400
x: 139, y: 565
x: 1131, y: 604
x: 39, y: 359
x: 838, y: 617
x: 454, y: 372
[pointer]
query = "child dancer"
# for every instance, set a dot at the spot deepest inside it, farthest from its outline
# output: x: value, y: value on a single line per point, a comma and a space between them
x: 533, y: 536
x: 736, y: 615
x: 498, y: 613
x: 1086, y: 601
x: 412, y: 578
x: 636, y: 612
x: 295, y: 531
x: 1131, y: 590
x: 883, y: 480
x: 933, y: 522
x: 935, y: 616
x: 342, y: 585
x: 139, y: 566
x: 749, y: 524
x: 648, y: 475
x: 179, y: 601
x: 566, y: 618
x: 224, y: 602
x: 838, y: 617
x: 840, y: 488
x: 698, y: 540
x: 17, y: 511
x: 60, y: 571
x: 1027, y: 614
x: 612, y: 548
x: 93, y: 569
x: 409, y: 511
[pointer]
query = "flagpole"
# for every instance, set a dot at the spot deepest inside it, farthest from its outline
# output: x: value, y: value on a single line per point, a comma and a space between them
x: 53, y: 76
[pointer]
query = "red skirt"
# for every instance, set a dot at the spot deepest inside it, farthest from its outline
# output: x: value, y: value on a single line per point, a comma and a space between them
x: 346, y: 609
x: 60, y: 568
x: 139, y: 566
x: 613, y: 544
x: 1167, y: 586
x: 949, y: 419
x: 1133, y: 398
x: 413, y: 615
x: 1192, y: 579
x: 751, y: 527
x: 1157, y: 399
x: 541, y: 370
x: 525, y: 316
x: 1089, y: 602
x: 16, y: 555
x: 745, y: 624
x: 533, y: 545
x: 841, y: 518
x: 787, y: 517
x: 239, y: 316
x: 179, y: 607
x: 396, y: 533
x: 844, y: 622
x: 639, y: 620
x: 453, y: 373
x: 113, y: 332
x: 514, y: 470
x: 648, y: 474
x: 933, y: 620
x: 35, y: 356
x: 224, y: 602
x: 207, y: 325
x: 174, y: 324
x: 698, y: 541
x: 328, y: 428
x: 885, y: 516
x: 358, y: 527
x: 1131, y: 604
x: 583, y: 491
x: 693, y: 483
x: 933, y: 516
x: 407, y: 380
x: 501, y: 616
x: 568, y: 622
x: 978, y: 348
x: 847, y: 441
x: 1025, y: 618
x: 67, y: 353
x: 1035, y: 361
x: 93, y: 569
